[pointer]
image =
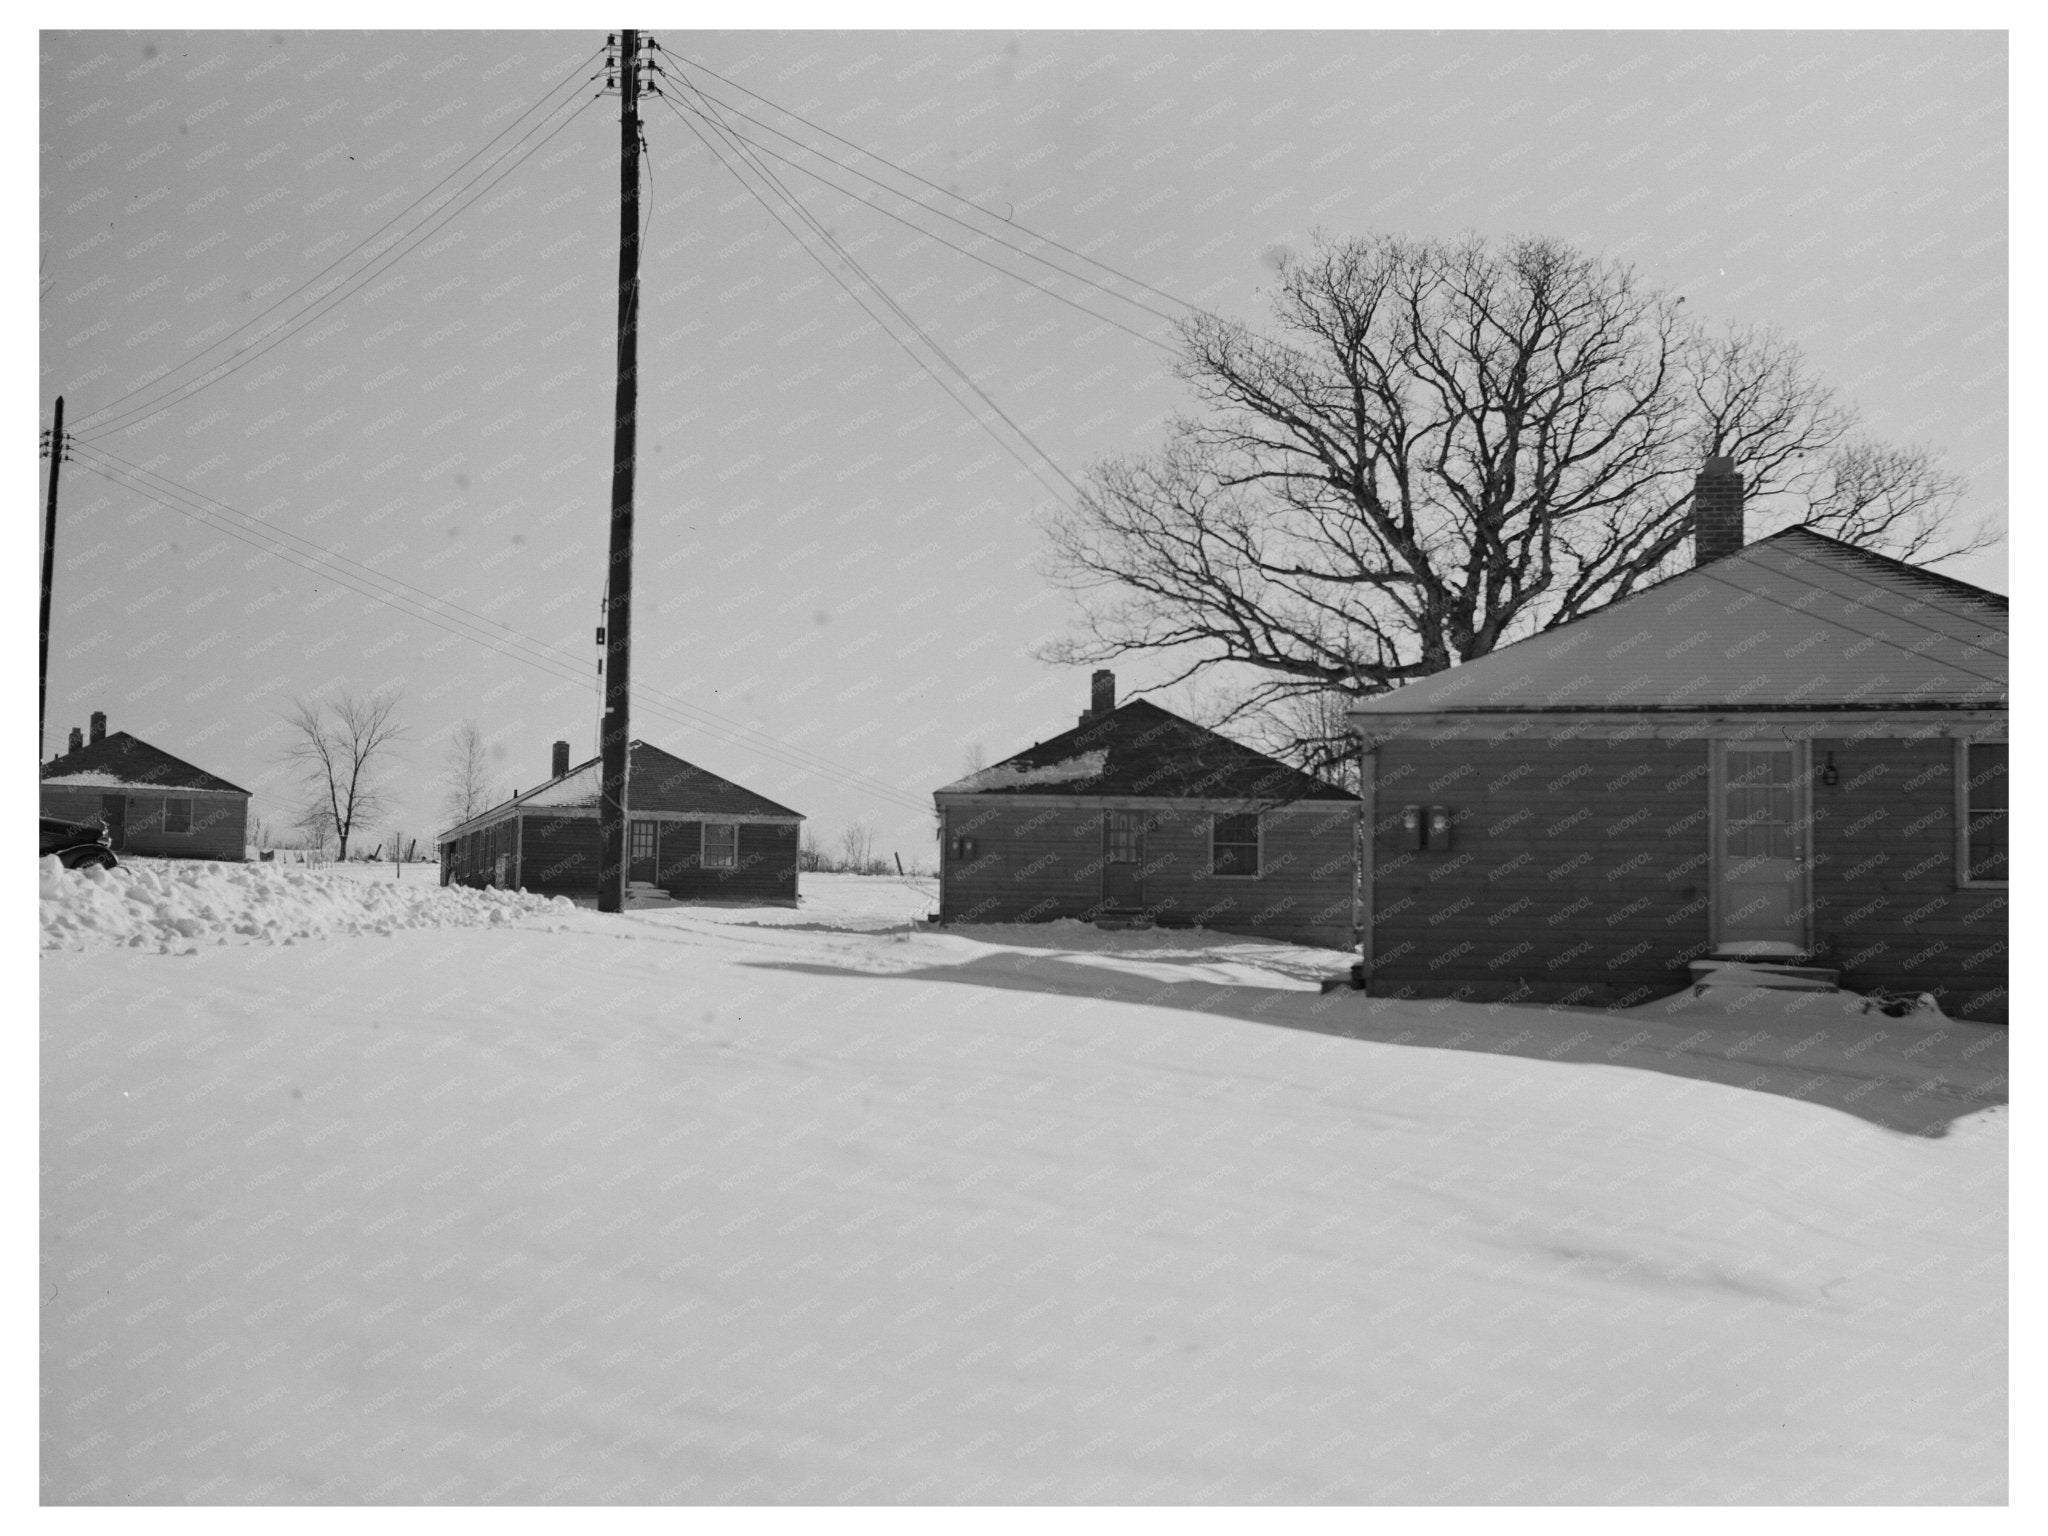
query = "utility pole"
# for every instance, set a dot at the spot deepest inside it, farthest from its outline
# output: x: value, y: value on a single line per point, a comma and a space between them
x: 55, y: 448
x: 615, y: 732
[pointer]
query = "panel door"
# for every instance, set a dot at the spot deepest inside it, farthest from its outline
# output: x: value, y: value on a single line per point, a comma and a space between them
x: 1760, y: 876
x: 1123, y: 855
x: 642, y: 840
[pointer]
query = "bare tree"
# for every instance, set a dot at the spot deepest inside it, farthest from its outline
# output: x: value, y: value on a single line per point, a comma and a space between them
x: 857, y: 845
x: 341, y: 747
x: 470, y: 786
x: 1446, y: 446
x: 810, y: 857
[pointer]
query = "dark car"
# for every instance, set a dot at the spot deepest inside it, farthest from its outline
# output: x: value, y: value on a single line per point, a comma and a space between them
x: 77, y: 846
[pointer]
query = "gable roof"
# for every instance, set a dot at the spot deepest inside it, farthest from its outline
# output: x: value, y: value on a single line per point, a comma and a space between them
x: 122, y: 761
x: 1794, y: 621
x: 656, y: 781
x: 1139, y: 749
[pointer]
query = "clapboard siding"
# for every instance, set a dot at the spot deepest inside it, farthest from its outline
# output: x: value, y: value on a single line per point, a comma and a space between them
x: 1038, y: 863
x: 548, y: 839
x: 484, y: 857
x: 1578, y: 870
x: 220, y: 821
x: 1888, y: 908
x: 765, y: 868
x: 559, y: 855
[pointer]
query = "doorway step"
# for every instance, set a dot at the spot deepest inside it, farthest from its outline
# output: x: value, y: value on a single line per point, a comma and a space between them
x: 1763, y: 963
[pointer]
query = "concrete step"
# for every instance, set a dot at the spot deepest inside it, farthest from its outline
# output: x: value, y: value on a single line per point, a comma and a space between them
x: 1779, y: 978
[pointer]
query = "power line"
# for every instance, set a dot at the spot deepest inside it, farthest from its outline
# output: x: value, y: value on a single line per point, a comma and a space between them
x: 923, y: 207
x: 358, y: 246
x: 268, y: 539
x: 970, y: 255
x: 382, y: 263
x: 1135, y: 282
x: 464, y: 628
x: 895, y: 308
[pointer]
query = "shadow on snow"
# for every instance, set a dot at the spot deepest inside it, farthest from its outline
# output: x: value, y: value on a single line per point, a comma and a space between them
x: 1906, y: 1075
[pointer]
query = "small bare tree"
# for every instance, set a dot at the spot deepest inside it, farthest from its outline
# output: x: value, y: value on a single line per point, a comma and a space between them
x: 810, y: 857
x: 857, y: 845
x: 470, y: 787
x: 341, y: 747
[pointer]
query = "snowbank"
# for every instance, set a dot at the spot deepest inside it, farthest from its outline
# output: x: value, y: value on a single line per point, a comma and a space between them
x: 175, y: 907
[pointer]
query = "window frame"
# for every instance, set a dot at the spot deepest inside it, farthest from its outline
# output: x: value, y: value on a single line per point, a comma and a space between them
x: 184, y: 803
x: 1257, y: 845
x: 1965, y: 881
x: 704, y: 859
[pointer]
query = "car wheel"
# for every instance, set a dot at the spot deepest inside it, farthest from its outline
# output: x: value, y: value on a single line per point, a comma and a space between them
x: 81, y: 858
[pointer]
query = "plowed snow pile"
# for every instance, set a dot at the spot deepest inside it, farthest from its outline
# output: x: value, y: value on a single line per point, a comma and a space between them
x: 177, y: 907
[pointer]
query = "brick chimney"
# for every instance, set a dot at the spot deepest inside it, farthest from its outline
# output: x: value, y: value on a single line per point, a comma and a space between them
x: 99, y: 726
x: 561, y: 759
x: 77, y: 739
x: 1102, y: 697
x: 1717, y: 511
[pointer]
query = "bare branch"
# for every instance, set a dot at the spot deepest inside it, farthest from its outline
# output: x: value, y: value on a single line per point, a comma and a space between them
x: 1441, y: 447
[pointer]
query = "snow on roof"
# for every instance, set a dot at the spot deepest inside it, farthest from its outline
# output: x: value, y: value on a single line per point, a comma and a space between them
x: 1794, y: 621
x: 1085, y: 766
x: 659, y: 781
x: 580, y: 787
x: 122, y: 761
x: 1140, y: 749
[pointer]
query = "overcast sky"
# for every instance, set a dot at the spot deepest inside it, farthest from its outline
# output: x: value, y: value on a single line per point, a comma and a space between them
x: 836, y: 599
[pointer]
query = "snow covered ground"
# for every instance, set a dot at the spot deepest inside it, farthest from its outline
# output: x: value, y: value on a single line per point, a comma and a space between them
x: 444, y: 1197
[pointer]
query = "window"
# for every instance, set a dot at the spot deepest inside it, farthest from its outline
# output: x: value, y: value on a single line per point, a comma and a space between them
x: 721, y: 844
x: 1234, y: 845
x: 1984, y: 803
x: 1120, y: 837
x: 643, y: 842
x: 178, y: 817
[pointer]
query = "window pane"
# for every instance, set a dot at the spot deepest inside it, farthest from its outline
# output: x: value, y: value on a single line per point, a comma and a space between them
x: 1121, y: 838
x: 1235, y: 845
x: 643, y: 840
x: 1235, y: 859
x: 1238, y: 829
x: 721, y: 844
x: 1987, y: 846
x: 177, y: 816
x: 1987, y: 790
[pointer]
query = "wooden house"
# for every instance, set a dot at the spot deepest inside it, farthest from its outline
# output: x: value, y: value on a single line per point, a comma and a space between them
x: 1795, y: 748
x: 150, y: 802
x: 689, y: 832
x: 1137, y: 813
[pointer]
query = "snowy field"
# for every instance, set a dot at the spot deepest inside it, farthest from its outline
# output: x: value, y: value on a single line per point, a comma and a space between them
x: 359, y: 1191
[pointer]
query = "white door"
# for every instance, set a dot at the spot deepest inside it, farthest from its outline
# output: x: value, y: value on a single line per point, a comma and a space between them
x: 1759, y: 844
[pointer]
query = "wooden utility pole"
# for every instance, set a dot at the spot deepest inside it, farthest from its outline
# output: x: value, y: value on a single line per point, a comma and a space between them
x: 49, y: 573
x: 615, y: 731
